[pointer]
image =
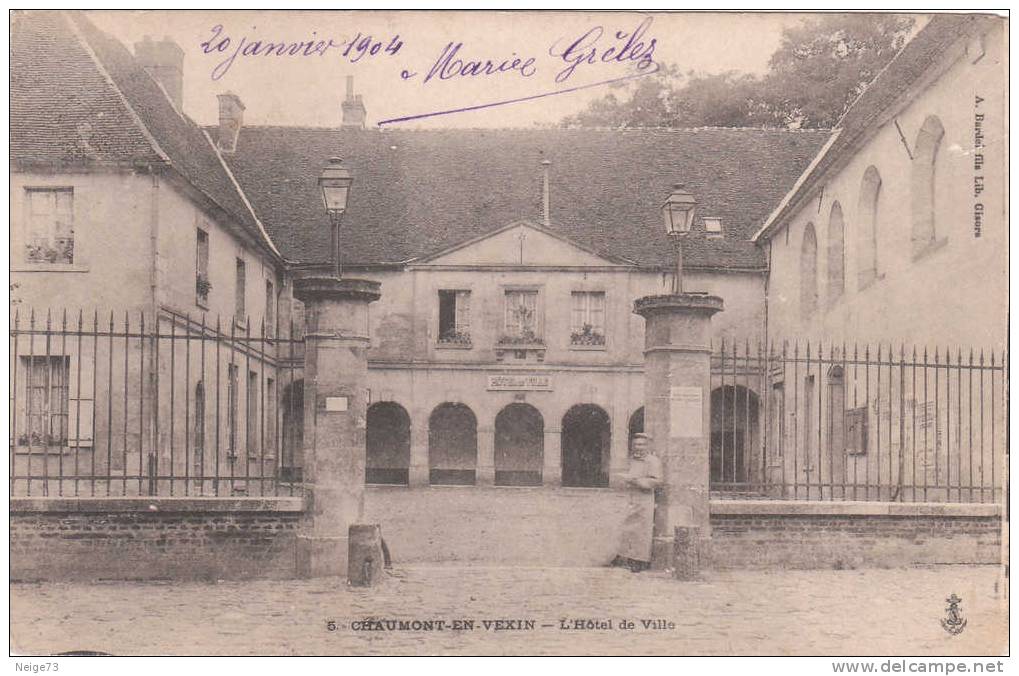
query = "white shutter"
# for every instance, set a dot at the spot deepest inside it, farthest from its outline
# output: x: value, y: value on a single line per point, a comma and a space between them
x: 79, y: 422
x: 80, y: 406
x: 597, y: 311
x: 577, y: 314
x: 463, y: 311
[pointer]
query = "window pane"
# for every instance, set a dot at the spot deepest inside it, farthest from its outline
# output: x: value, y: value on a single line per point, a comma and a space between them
x: 597, y: 311
x: 447, y: 313
x: 463, y: 311
x: 239, y: 298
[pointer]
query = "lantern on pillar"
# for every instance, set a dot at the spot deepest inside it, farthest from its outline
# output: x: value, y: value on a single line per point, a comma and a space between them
x: 677, y: 215
x: 334, y: 182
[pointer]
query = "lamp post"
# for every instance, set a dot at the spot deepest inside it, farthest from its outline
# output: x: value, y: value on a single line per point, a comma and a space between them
x: 677, y: 214
x: 334, y: 182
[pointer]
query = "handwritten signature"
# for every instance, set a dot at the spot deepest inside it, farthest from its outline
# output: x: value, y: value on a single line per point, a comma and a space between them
x: 594, y: 46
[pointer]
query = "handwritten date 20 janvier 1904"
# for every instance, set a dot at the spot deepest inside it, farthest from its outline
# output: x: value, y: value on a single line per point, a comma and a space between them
x: 455, y: 60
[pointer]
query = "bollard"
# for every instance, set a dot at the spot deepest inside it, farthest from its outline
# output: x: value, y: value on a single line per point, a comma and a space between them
x: 365, y: 560
x: 687, y: 553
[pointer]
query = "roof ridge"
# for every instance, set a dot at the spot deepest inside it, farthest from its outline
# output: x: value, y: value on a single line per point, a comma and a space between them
x: 104, y: 73
x: 388, y: 130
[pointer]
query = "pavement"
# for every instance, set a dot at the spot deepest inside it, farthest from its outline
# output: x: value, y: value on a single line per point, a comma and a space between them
x: 513, y: 611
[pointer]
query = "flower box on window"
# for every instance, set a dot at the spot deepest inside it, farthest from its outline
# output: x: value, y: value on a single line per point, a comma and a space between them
x: 60, y: 251
x: 454, y: 338
x: 521, y: 345
x: 202, y: 287
x: 588, y: 336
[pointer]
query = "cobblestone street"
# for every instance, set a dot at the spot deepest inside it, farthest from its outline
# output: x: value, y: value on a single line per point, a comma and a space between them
x: 738, y: 612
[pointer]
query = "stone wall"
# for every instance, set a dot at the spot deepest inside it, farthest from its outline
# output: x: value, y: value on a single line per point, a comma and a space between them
x: 151, y: 539
x: 510, y: 525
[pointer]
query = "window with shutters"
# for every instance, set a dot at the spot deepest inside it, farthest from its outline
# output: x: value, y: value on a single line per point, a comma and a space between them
x: 50, y: 236
x: 587, y: 318
x: 51, y: 403
x: 44, y: 410
x: 252, y: 431
x: 521, y: 317
x: 454, y: 317
x: 239, y: 306
x: 270, y: 309
x: 202, y: 284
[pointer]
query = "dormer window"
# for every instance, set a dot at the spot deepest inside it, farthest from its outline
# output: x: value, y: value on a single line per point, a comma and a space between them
x: 713, y: 227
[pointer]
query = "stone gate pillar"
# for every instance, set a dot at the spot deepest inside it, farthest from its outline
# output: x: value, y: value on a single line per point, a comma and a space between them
x: 677, y: 369
x: 335, y: 409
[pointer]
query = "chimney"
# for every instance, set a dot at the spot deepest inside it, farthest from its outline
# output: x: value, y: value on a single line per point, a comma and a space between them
x: 354, y: 113
x: 545, y: 206
x: 231, y: 118
x: 164, y: 61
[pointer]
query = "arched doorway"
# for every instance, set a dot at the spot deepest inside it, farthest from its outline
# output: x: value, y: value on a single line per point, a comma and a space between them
x: 452, y: 445
x: 388, y: 444
x: 586, y: 436
x: 636, y: 425
x: 519, y: 446
x: 293, y: 431
x: 734, y: 435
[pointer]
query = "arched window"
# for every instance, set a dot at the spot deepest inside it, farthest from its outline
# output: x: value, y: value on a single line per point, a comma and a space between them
x: 519, y: 446
x: 388, y: 444
x: 636, y: 425
x: 925, y: 159
x: 734, y: 436
x: 866, y: 241
x: 586, y: 436
x: 808, y: 273
x: 452, y: 445
x: 836, y: 254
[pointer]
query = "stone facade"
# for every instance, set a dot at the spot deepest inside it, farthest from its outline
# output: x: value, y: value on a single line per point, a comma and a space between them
x: 411, y: 366
x: 951, y: 290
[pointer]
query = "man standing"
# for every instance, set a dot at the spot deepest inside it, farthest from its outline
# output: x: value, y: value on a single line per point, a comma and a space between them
x: 643, y: 477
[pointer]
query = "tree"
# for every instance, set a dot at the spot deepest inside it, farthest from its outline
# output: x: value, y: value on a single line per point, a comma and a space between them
x: 819, y: 69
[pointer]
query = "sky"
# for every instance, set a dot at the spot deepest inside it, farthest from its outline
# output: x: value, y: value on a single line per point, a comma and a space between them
x: 405, y: 78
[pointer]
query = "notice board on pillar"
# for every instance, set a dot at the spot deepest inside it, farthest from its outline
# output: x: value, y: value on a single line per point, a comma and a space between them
x: 686, y: 412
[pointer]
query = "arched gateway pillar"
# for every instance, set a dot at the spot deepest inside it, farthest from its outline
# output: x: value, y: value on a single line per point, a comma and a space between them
x: 677, y: 370
x: 335, y: 396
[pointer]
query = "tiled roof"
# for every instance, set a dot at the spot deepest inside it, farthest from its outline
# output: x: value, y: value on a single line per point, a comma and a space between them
x: 69, y: 109
x: 908, y: 67
x: 419, y: 192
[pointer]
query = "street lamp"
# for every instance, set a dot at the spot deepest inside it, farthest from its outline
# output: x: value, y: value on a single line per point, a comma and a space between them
x: 334, y: 182
x: 677, y: 213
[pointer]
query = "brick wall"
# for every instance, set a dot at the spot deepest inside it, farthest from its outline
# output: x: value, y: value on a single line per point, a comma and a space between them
x: 850, y: 541
x: 180, y: 538
x: 121, y: 539
x: 581, y: 527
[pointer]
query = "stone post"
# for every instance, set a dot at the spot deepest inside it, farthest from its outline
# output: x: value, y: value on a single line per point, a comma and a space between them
x: 335, y: 406
x: 486, y: 456
x: 418, y: 474
x: 552, y: 462
x: 677, y: 370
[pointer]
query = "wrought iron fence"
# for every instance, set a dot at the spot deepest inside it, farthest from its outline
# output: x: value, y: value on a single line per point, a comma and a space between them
x: 813, y: 422
x: 177, y: 406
